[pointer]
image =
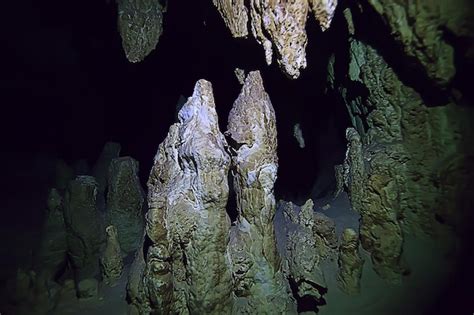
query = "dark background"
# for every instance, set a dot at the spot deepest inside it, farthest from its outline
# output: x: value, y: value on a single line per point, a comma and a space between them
x: 67, y: 88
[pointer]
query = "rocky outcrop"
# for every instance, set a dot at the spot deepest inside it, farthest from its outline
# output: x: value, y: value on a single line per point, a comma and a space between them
x: 187, y: 270
x: 350, y: 262
x: 391, y: 178
x: 110, y: 151
x: 52, y: 251
x: 256, y: 266
x: 140, y: 24
x: 83, y: 228
x: 125, y: 198
x: 111, y: 261
x: 279, y: 26
x: 421, y: 29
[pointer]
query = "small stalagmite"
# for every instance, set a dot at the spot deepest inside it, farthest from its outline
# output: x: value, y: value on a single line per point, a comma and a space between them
x: 111, y: 261
x: 256, y: 266
x: 187, y: 269
x: 350, y: 262
x: 125, y: 199
x: 83, y: 227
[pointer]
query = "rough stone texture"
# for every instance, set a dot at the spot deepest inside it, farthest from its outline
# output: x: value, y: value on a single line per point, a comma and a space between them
x: 256, y: 265
x: 135, y: 290
x: 235, y: 15
x: 125, y: 198
x: 420, y: 28
x: 389, y: 176
x: 140, y: 25
x: 298, y: 134
x: 52, y: 251
x: 87, y: 288
x: 350, y: 262
x: 325, y: 228
x: 240, y: 74
x: 111, y: 261
x: 83, y: 228
x: 110, y: 151
x: 187, y: 269
x: 323, y: 11
x: 305, y: 251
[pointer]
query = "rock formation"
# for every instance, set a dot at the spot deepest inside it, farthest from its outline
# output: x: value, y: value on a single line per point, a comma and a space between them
x: 84, y: 232
x: 187, y: 269
x: 298, y: 134
x: 110, y: 151
x: 111, y: 261
x: 256, y: 265
x: 279, y: 26
x: 391, y: 178
x: 125, y: 198
x: 140, y: 24
x: 51, y: 255
x: 350, y: 262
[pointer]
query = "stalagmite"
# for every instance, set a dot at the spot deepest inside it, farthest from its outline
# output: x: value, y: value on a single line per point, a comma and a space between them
x: 140, y: 24
x: 187, y: 269
x: 83, y: 228
x: 110, y: 151
x: 350, y: 262
x: 111, y: 261
x: 125, y: 198
x: 256, y: 265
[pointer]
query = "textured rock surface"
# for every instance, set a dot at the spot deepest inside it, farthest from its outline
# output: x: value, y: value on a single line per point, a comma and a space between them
x: 87, y: 288
x: 140, y: 24
x: 110, y: 151
x: 111, y: 261
x: 279, y: 26
x: 389, y: 176
x: 350, y: 262
x: 298, y: 134
x: 187, y: 225
x: 84, y: 232
x: 52, y: 251
x: 235, y: 15
x: 256, y: 265
x: 305, y: 252
x: 125, y: 198
x: 420, y: 28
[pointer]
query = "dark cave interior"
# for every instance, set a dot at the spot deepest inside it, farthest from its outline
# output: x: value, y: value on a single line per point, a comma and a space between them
x: 67, y: 88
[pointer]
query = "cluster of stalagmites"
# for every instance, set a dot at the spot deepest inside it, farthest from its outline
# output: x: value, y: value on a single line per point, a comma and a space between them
x: 279, y: 26
x: 193, y: 261
x: 84, y: 237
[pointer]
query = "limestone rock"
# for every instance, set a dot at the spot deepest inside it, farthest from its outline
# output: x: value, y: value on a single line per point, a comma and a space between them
x: 325, y: 228
x: 140, y: 24
x: 323, y: 11
x: 187, y: 225
x: 135, y: 293
x: 256, y: 265
x: 52, y: 251
x: 298, y: 134
x: 111, y: 260
x: 420, y: 27
x: 110, y: 151
x: 125, y: 198
x: 240, y: 74
x: 83, y: 227
x: 350, y: 262
x: 235, y: 15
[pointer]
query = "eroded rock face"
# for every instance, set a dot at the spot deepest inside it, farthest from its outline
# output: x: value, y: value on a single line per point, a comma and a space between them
x: 187, y: 225
x: 140, y: 24
x: 256, y: 265
x: 279, y: 26
x: 350, y: 262
x: 125, y: 198
x: 83, y: 228
x: 111, y: 261
x: 420, y: 29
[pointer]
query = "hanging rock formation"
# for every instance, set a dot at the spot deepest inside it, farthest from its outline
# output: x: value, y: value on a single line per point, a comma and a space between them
x: 111, y: 261
x: 279, y: 26
x: 350, y: 262
x: 84, y: 232
x: 140, y: 24
x: 256, y: 265
x: 125, y: 198
x: 187, y: 270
